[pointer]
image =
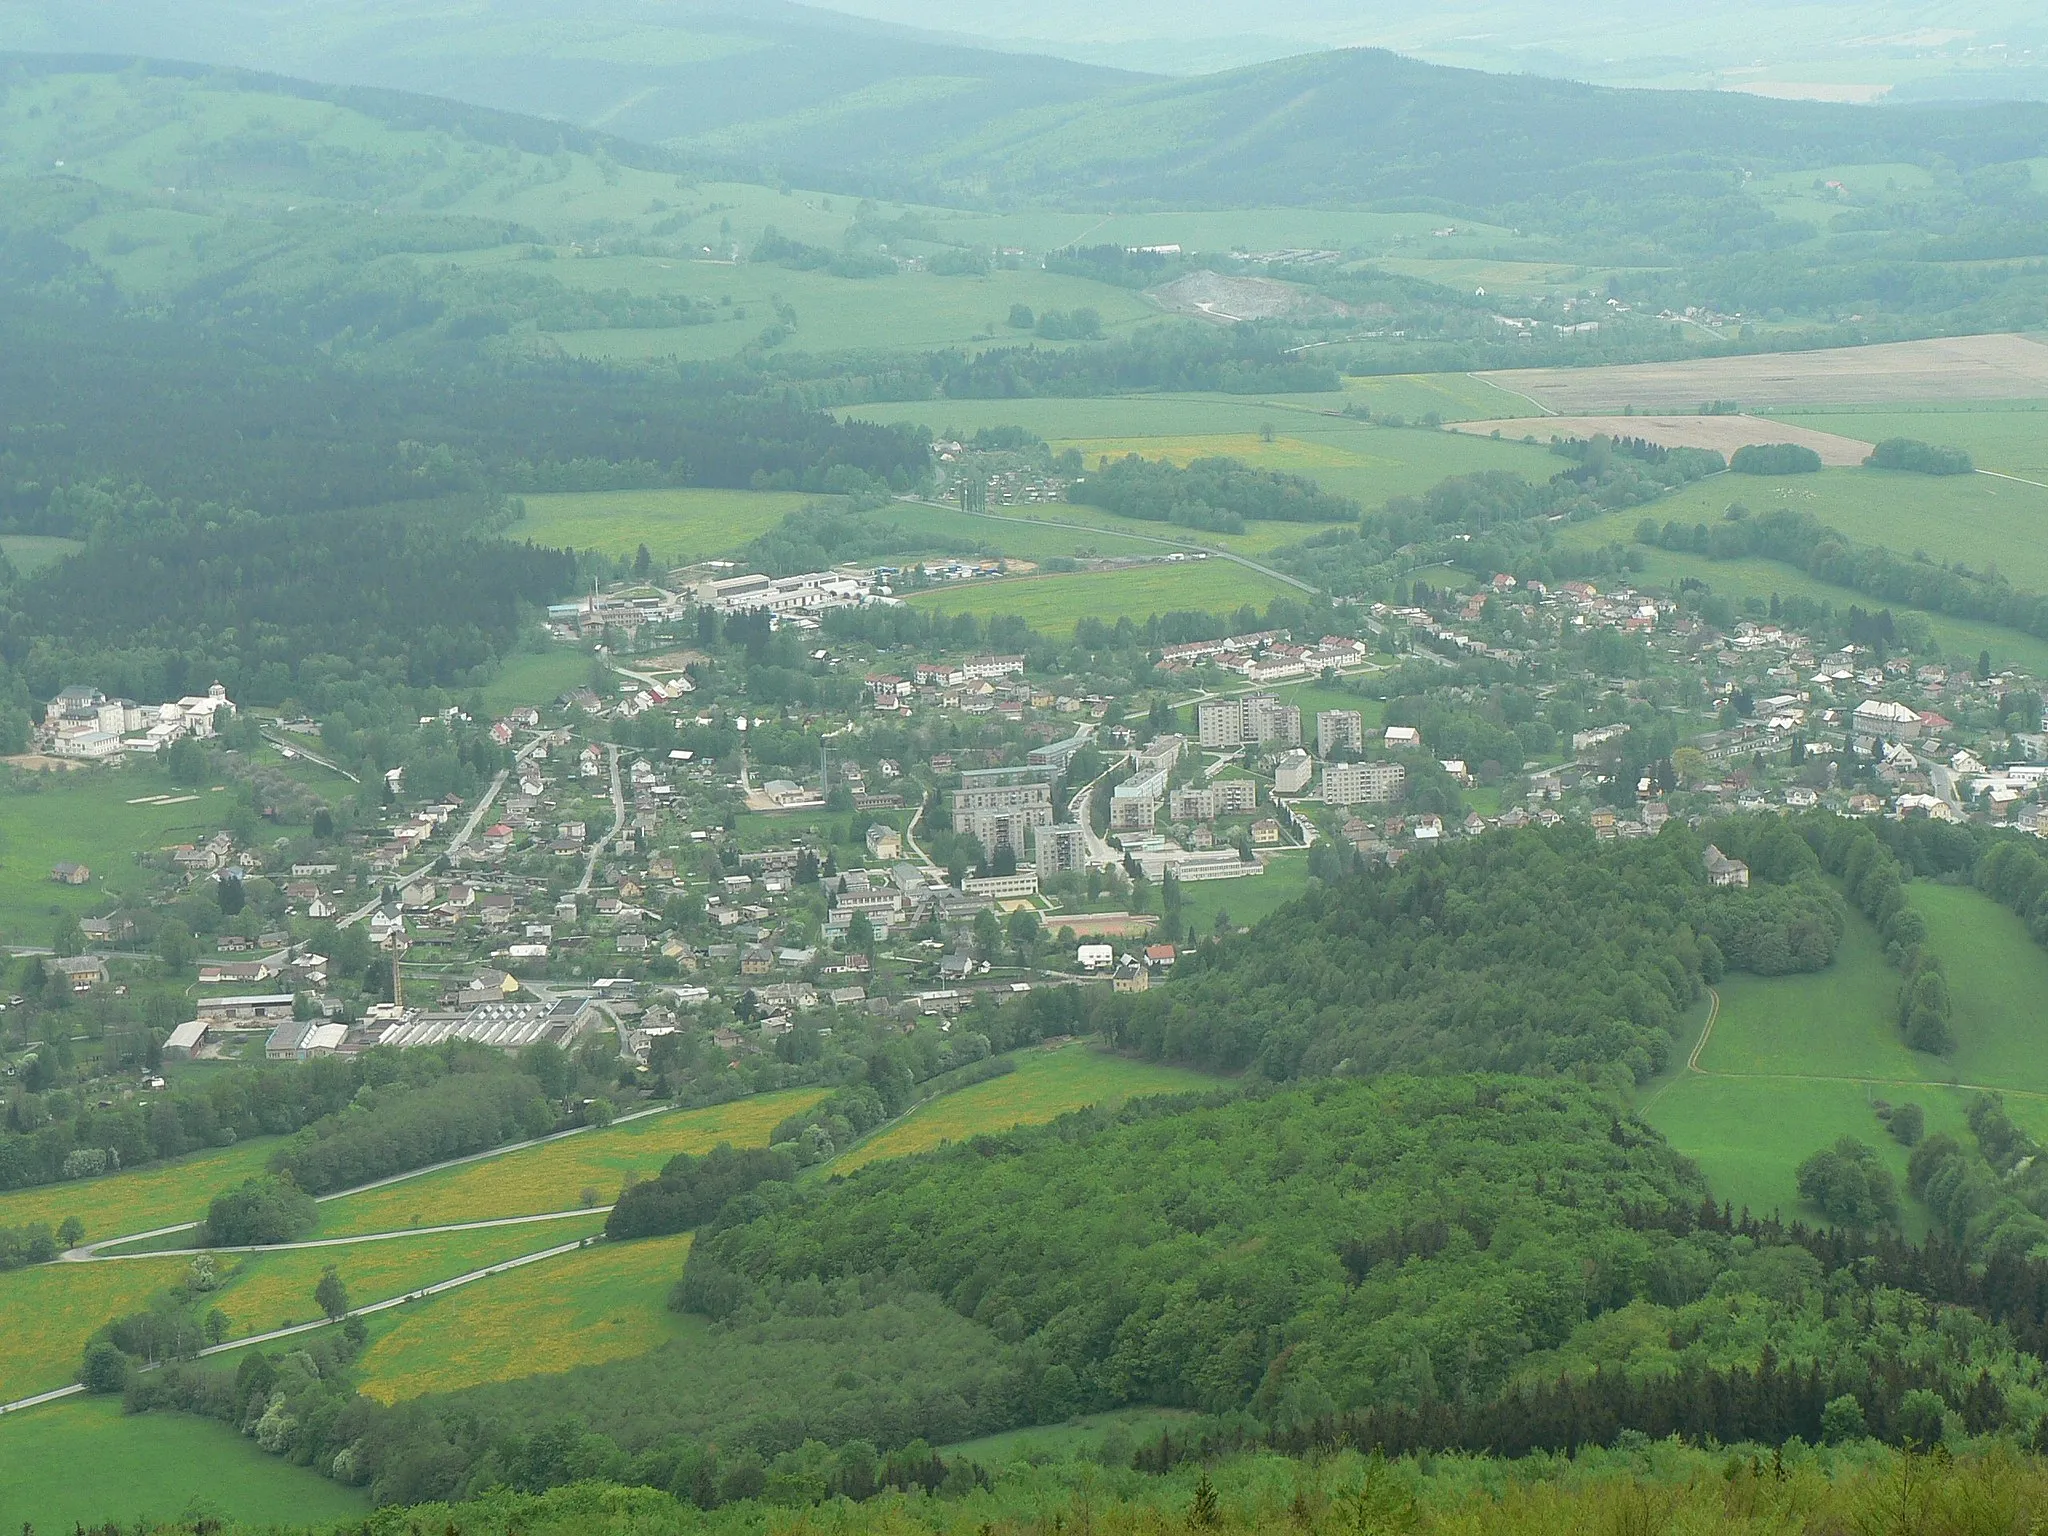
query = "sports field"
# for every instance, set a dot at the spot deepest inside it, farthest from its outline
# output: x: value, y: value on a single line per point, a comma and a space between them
x: 677, y: 525
x: 1055, y: 604
x: 1245, y: 901
x: 1046, y: 1085
x: 604, y: 1303
x: 83, y: 1463
x: 553, y: 1176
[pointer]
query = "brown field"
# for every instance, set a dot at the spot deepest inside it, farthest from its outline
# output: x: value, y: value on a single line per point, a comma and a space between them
x: 1723, y: 434
x: 1946, y: 368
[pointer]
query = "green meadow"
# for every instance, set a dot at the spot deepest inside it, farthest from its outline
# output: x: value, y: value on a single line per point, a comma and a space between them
x: 1796, y: 1061
x: 1247, y: 900
x: 83, y: 816
x: 536, y: 677
x: 2010, y: 437
x: 677, y: 526
x: 32, y: 552
x: 140, y: 1199
x: 1055, y: 604
x: 82, y: 1464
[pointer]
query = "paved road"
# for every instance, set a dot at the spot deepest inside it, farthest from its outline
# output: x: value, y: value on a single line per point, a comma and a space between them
x: 314, y: 758
x: 618, y: 825
x: 90, y: 1253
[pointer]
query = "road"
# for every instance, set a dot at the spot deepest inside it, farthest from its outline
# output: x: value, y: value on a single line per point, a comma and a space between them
x: 1184, y: 545
x: 618, y: 825
x: 90, y: 1253
x: 296, y: 750
x: 1080, y: 810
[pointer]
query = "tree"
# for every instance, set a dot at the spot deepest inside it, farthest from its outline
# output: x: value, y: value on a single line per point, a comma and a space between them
x: 988, y: 935
x: 599, y: 1113
x: 227, y: 890
x: 1842, y: 1420
x: 331, y: 1295
x: 1908, y: 1124
x: 71, y: 1232
x: 860, y: 935
x: 69, y: 937
x: 106, y: 1369
x: 1847, y: 1183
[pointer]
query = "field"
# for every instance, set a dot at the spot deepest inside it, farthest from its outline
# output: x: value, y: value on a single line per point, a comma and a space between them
x: 275, y: 1290
x: 1311, y: 436
x: 1055, y: 604
x: 604, y: 1303
x: 1452, y: 396
x: 2010, y: 438
x: 84, y: 817
x: 677, y: 526
x: 910, y: 311
x: 553, y: 1176
x: 1723, y: 434
x: 1046, y: 1085
x: 78, y: 1463
x: 1949, y: 368
x: 1796, y: 1061
x: 1035, y: 532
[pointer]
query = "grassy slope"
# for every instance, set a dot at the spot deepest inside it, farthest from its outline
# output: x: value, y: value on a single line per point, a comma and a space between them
x: 1054, y: 604
x: 143, y: 1198
x: 1789, y: 1051
x: 266, y: 1291
x: 1245, y: 901
x: 536, y: 677
x: 553, y: 1177
x: 1046, y: 1085
x: 81, y: 1462
x: 604, y: 1303
x: 52, y: 1309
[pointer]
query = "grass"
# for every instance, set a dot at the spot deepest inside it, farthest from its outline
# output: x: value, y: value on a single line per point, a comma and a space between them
x: 604, y: 1303
x: 1453, y: 396
x: 552, y: 1177
x: 82, y: 1462
x: 1030, y: 533
x: 677, y: 526
x: 536, y: 677
x: 1046, y: 1085
x: 1063, y: 1441
x: 52, y: 1309
x: 1796, y: 1061
x: 143, y: 1198
x: 84, y: 817
x: 1997, y: 978
x: 911, y: 311
x: 275, y: 1290
x: 32, y: 552
x: 1054, y: 604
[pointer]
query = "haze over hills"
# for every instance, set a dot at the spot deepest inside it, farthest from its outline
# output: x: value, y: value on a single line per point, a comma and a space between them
x: 1915, y: 47
x: 744, y: 77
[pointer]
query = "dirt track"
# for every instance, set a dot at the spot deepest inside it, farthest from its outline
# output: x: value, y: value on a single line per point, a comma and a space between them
x: 1724, y: 434
x: 1947, y: 368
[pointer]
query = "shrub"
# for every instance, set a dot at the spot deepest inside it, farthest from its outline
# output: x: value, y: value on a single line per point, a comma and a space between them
x: 1848, y: 1184
x: 261, y: 1212
x: 1919, y: 458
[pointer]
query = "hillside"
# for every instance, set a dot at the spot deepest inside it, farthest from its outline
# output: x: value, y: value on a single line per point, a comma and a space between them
x: 753, y: 80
